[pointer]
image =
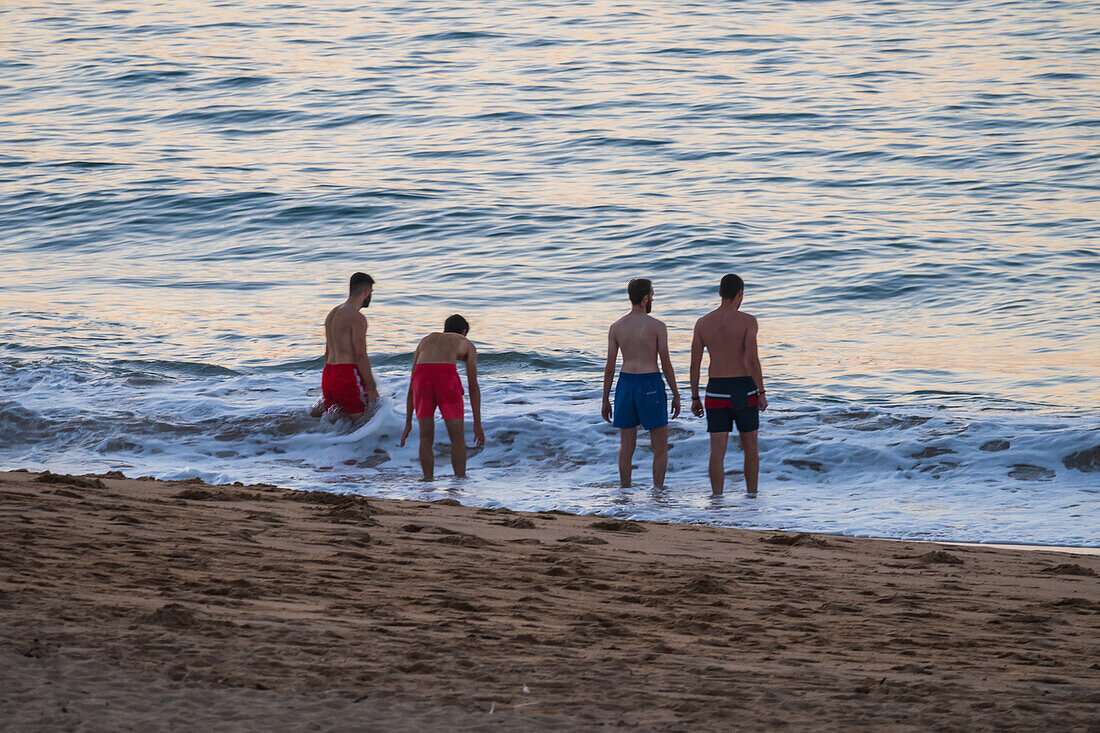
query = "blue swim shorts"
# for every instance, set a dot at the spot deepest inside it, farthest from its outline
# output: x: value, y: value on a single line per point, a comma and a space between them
x: 640, y: 398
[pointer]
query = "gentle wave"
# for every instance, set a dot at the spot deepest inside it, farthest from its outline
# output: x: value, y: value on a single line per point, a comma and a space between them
x: 831, y: 466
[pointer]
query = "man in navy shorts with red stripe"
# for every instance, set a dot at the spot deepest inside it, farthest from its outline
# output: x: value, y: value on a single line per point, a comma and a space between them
x: 735, y: 386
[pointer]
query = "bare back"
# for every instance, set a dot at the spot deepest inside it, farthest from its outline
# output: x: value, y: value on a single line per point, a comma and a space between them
x: 638, y: 337
x: 345, y: 335
x: 729, y: 335
x: 442, y: 348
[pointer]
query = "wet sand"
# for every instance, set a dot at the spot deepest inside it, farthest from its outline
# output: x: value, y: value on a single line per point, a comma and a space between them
x: 139, y: 604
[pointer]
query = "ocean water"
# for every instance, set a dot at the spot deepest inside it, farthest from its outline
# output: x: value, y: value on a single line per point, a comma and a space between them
x: 911, y: 191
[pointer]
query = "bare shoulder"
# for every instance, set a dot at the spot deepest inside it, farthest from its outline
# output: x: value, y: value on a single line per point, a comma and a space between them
x: 706, y: 320
x: 656, y: 323
x: 705, y: 324
x: 746, y: 324
x: 347, y: 316
x: 459, y: 346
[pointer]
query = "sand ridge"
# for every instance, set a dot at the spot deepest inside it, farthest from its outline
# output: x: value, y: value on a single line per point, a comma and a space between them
x: 140, y: 603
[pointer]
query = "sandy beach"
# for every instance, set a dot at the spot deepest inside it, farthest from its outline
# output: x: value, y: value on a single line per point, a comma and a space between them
x: 142, y: 604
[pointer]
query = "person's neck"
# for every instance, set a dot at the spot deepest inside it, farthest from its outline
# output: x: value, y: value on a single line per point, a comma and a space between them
x: 638, y: 309
x: 730, y: 305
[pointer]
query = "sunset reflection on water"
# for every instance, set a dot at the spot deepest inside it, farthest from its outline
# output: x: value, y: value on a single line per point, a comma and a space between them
x: 908, y: 199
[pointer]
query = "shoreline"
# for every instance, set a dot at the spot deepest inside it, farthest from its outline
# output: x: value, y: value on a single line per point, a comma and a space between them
x: 1001, y: 544
x: 131, y: 602
x: 1068, y: 549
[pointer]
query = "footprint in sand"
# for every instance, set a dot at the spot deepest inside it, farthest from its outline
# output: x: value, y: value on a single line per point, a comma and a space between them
x: 464, y: 540
x: 517, y: 523
x: 1069, y: 569
x: 933, y: 557
x: 617, y: 525
x: 583, y: 540
x: 802, y: 539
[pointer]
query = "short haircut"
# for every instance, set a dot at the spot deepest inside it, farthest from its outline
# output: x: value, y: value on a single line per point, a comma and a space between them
x: 360, y: 281
x: 638, y: 288
x: 730, y: 286
x: 456, y: 324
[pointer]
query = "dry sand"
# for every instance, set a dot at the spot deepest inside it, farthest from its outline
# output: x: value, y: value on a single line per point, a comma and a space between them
x: 144, y: 605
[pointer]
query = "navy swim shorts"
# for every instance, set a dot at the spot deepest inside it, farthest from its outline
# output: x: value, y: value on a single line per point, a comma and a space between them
x: 730, y: 401
x: 640, y: 398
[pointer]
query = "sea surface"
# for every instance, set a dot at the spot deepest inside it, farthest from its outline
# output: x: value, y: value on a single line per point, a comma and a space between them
x: 911, y: 191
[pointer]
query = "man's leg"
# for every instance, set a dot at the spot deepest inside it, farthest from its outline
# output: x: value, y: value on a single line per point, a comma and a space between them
x: 658, y: 440
x: 458, y: 446
x: 751, y: 446
x: 628, y: 437
x: 717, y: 468
x: 427, y: 441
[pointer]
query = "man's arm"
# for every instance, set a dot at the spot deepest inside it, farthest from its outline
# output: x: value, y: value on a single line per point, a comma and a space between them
x: 328, y: 324
x: 409, y: 399
x: 609, y: 373
x: 753, y: 358
x: 362, y: 360
x: 475, y: 393
x: 696, y: 369
x: 666, y: 366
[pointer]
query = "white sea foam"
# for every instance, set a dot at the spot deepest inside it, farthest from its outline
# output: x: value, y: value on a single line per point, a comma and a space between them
x: 906, y: 472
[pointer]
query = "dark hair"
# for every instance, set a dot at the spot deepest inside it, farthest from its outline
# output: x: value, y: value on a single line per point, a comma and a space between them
x: 456, y: 324
x: 360, y: 281
x: 638, y: 288
x: 730, y: 286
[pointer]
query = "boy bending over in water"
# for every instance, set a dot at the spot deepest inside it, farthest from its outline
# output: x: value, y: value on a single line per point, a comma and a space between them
x: 435, y: 383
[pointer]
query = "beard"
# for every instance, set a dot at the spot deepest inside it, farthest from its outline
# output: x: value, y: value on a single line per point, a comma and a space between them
x: 365, y: 303
x: 648, y: 306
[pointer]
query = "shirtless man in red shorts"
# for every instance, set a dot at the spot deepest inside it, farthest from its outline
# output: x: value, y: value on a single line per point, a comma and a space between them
x: 347, y: 377
x: 435, y: 383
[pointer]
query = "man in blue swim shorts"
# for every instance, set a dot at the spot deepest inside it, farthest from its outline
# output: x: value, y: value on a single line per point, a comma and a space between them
x: 640, y: 397
x: 735, y: 392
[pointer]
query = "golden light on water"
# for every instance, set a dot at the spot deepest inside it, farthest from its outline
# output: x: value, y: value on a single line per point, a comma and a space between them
x: 679, y: 128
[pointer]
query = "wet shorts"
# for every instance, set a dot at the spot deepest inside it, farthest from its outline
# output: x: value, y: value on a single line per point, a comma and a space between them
x: 732, y: 400
x: 341, y: 384
x: 640, y: 398
x: 437, y: 385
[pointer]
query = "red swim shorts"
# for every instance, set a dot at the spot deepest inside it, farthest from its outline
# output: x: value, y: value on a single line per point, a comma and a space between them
x: 437, y: 385
x: 342, y: 385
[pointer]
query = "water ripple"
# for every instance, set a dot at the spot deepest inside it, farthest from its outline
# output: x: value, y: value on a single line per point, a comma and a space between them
x: 911, y: 179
